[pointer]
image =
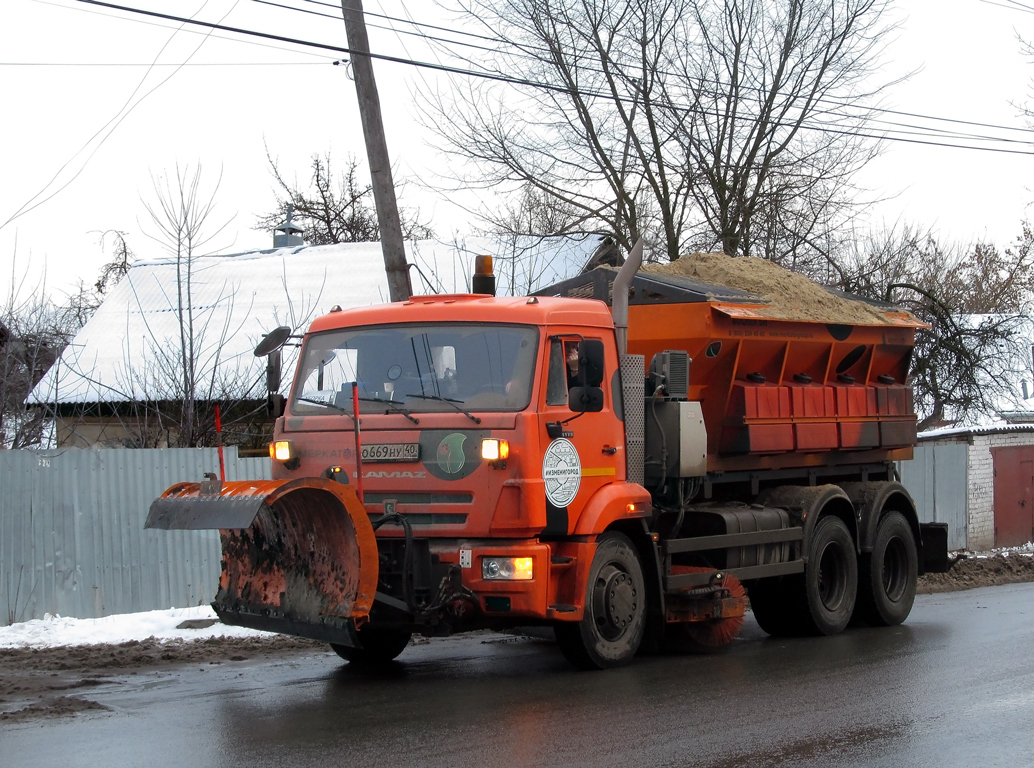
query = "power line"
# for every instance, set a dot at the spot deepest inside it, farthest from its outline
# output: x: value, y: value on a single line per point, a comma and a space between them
x: 107, y: 130
x: 337, y: 17
x: 930, y: 132
x: 1011, y: 5
x: 335, y: 48
x: 503, y: 41
x: 499, y: 77
x: 209, y: 33
x: 412, y: 22
x: 164, y: 64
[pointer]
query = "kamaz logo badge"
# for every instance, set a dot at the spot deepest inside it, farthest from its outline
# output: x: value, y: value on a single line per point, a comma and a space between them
x: 418, y: 475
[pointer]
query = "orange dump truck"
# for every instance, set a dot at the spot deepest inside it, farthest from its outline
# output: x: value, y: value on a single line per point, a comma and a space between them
x: 628, y: 475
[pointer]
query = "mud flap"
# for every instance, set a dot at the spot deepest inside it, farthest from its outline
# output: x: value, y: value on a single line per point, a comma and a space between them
x: 934, y: 553
x: 299, y: 556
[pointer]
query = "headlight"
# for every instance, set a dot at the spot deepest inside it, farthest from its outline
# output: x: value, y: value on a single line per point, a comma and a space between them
x: 506, y: 568
x: 281, y: 450
x: 493, y: 449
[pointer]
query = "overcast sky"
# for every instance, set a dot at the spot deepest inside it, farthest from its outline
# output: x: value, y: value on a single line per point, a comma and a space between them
x: 88, y: 122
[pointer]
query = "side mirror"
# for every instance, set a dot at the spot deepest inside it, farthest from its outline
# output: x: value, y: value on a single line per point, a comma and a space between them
x: 275, y: 405
x: 269, y: 348
x: 585, y: 399
x: 590, y: 353
x: 273, y: 340
x: 273, y: 371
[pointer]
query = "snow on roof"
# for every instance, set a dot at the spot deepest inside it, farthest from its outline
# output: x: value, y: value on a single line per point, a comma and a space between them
x: 130, y: 349
x: 1001, y: 427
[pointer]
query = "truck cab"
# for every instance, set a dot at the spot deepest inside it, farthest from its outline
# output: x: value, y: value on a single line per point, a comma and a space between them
x: 491, y: 426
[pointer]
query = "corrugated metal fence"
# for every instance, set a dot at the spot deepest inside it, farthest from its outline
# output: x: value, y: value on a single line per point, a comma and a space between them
x: 72, y: 538
x: 937, y: 479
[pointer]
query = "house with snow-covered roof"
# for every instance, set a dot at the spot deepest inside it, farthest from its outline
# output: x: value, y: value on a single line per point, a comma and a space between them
x: 169, y: 329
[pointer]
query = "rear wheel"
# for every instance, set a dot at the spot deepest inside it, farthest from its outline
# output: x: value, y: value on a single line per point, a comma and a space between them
x: 612, y: 628
x: 378, y: 646
x: 887, y: 578
x: 831, y: 577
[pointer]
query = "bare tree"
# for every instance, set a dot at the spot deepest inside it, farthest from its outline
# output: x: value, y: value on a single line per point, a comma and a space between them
x: 333, y: 209
x: 181, y: 350
x: 185, y: 376
x: 122, y: 257
x: 766, y: 79
x: 84, y: 300
x: 709, y: 122
x: 534, y: 214
x: 33, y: 332
x: 976, y: 300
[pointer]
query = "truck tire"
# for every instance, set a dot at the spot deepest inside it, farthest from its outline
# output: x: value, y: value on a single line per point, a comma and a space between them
x: 612, y: 627
x: 379, y: 646
x: 830, y: 578
x: 887, y: 577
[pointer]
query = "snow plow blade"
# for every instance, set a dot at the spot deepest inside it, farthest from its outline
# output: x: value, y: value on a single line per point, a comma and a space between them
x: 299, y: 556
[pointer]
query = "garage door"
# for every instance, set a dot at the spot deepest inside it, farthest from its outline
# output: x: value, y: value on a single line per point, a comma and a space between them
x: 1013, y: 495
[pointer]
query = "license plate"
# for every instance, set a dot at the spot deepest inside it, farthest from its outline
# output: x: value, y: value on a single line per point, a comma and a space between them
x: 392, y: 452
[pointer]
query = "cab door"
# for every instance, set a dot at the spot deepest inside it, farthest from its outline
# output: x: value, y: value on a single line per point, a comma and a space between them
x: 584, y: 450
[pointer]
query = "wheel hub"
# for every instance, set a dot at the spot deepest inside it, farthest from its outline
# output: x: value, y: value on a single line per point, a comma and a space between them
x: 615, y: 601
x: 832, y: 581
x: 895, y: 569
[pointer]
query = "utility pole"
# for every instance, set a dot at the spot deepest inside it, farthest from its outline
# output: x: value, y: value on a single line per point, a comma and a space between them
x: 392, y: 244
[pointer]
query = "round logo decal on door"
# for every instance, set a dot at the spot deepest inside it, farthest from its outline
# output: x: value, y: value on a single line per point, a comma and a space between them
x: 562, y: 471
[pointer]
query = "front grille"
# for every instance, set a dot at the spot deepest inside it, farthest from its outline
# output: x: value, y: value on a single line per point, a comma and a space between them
x: 431, y: 518
x: 419, y: 498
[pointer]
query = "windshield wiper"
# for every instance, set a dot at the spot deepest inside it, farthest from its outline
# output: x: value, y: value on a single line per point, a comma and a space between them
x: 325, y: 404
x: 451, y: 402
x: 397, y: 408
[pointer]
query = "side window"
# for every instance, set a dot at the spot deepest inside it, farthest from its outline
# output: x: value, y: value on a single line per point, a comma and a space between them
x: 333, y: 371
x: 556, y: 386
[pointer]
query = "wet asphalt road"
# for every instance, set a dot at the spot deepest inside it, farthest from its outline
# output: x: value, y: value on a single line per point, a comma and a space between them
x: 954, y: 686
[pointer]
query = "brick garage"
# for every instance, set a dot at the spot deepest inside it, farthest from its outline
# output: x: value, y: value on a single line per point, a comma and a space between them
x: 985, y: 448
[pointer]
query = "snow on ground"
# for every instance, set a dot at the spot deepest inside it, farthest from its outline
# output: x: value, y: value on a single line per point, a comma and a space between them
x: 57, y: 631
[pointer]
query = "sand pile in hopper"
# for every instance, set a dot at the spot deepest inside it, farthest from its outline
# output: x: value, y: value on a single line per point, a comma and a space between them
x: 789, y: 295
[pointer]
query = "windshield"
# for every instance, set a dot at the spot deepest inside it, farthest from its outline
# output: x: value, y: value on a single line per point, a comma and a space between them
x: 440, y: 367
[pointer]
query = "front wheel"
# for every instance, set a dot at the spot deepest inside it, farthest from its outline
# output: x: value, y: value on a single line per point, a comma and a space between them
x: 379, y: 646
x: 887, y: 578
x: 612, y: 627
x: 831, y: 578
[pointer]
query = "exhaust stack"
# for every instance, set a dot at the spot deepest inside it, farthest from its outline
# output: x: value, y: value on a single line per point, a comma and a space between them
x: 619, y: 302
